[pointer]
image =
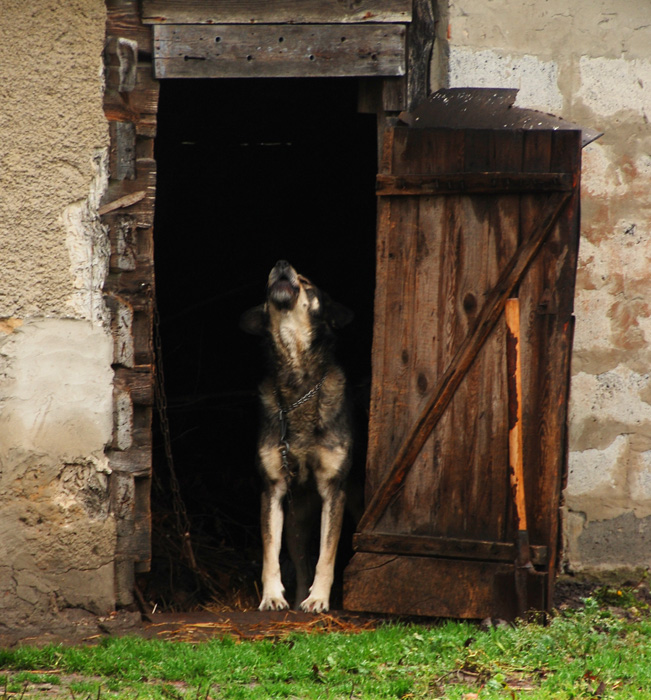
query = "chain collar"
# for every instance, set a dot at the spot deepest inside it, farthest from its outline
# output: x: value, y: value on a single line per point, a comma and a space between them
x: 283, y: 445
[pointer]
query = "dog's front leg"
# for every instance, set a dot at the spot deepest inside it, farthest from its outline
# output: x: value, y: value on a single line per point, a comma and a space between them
x: 272, y: 529
x: 331, y: 489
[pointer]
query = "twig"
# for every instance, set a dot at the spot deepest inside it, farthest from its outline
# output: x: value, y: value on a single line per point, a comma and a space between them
x: 127, y: 201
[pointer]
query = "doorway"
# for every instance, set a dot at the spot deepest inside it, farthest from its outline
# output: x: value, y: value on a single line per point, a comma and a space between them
x: 249, y: 171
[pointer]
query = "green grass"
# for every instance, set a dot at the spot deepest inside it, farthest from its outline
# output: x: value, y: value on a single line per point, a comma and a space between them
x: 592, y: 653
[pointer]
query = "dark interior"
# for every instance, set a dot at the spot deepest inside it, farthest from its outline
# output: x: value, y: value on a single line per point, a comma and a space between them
x: 249, y: 172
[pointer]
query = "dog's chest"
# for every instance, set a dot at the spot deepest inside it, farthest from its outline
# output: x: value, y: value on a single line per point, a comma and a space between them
x: 292, y: 337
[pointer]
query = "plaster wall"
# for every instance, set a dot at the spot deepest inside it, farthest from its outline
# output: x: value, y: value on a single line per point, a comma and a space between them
x: 589, y: 62
x: 57, y: 536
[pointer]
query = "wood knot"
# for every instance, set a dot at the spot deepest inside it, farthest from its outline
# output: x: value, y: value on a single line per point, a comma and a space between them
x: 470, y: 303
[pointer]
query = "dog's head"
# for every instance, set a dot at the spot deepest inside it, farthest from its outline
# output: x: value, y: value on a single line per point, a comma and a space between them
x: 291, y: 296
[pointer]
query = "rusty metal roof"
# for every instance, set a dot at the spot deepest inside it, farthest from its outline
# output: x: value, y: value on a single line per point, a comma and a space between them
x: 486, y: 108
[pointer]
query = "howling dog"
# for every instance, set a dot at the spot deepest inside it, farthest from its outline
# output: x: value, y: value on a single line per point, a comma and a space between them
x: 305, y: 441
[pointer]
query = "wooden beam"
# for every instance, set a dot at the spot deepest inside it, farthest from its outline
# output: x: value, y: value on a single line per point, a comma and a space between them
x: 435, y: 587
x: 272, y: 51
x: 473, y: 183
x: 135, y: 461
x: 446, y: 547
x: 273, y: 11
x: 420, y: 42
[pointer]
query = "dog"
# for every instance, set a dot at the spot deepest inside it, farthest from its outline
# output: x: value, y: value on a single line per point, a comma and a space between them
x: 305, y: 440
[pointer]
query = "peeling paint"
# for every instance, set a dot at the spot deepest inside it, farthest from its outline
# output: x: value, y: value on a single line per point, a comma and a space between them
x: 88, y: 246
x: 613, y: 85
x: 9, y: 325
x: 536, y: 80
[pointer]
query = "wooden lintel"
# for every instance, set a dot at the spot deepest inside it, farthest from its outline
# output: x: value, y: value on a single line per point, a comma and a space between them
x: 445, y: 547
x: 273, y: 51
x: 276, y: 11
x: 473, y: 183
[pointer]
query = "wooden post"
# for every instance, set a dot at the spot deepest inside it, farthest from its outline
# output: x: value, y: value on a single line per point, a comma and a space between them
x: 516, y: 467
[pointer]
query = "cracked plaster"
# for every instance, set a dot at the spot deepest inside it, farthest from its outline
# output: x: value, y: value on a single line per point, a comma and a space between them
x: 57, y: 536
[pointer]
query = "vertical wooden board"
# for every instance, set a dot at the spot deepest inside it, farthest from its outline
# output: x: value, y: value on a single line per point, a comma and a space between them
x: 534, y: 289
x: 472, y: 436
x: 505, y: 151
x: 431, y: 151
x: 390, y: 401
x: 142, y: 524
x: 378, y: 349
x: 559, y: 262
x: 547, y: 292
x: 476, y: 151
x: 566, y: 147
x: 411, y: 512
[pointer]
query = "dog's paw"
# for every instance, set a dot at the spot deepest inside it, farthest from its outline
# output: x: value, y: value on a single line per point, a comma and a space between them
x: 314, y: 604
x: 274, y: 603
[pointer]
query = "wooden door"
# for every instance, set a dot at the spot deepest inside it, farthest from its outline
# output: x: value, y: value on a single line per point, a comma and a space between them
x: 467, y: 218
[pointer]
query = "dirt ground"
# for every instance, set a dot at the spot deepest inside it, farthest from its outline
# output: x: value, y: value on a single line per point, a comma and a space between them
x: 82, y: 627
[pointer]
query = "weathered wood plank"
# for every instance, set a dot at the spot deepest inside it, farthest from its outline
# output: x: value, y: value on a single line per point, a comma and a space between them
x: 123, y: 238
x: 473, y: 183
x: 122, y: 153
x: 121, y: 312
x: 141, y: 207
x: 463, y: 359
x: 142, y: 534
x: 122, y: 419
x: 242, y: 51
x: 420, y: 42
x: 436, y: 587
x: 123, y: 19
x: 447, y: 547
x: 273, y: 11
x: 141, y: 100
x: 558, y: 262
x: 135, y: 461
x: 121, y: 493
x: 133, y: 286
x: 139, y: 382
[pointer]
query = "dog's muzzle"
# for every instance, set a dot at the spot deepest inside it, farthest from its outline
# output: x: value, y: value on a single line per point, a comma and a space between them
x: 283, y: 286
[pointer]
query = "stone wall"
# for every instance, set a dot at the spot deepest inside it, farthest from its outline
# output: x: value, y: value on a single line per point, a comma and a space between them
x: 57, y: 537
x: 589, y: 62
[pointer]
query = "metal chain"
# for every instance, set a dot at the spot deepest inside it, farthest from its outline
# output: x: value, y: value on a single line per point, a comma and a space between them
x: 283, y: 444
x: 312, y: 392
x: 180, y: 512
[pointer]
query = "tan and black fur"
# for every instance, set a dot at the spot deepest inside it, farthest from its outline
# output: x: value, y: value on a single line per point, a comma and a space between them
x: 298, y: 322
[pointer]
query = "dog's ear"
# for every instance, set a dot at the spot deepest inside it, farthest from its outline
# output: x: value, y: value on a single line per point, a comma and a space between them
x: 336, y: 314
x: 255, y: 320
